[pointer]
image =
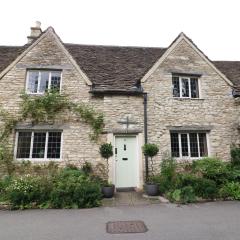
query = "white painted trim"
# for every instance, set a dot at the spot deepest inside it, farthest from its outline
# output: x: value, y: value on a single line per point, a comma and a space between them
x: 16, y: 144
x: 45, y: 159
x: 181, y: 37
x: 208, y: 144
x: 60, y: 44
x: 50, y: 81
x: 39, y: 71
x: 198, y: 145
x: 180, y: 78
x: 189, y: 149
x: 46, y: 146
x: 31, y: 145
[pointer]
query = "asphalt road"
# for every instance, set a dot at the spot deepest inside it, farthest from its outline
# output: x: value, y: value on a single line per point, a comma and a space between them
x: 206, y: 221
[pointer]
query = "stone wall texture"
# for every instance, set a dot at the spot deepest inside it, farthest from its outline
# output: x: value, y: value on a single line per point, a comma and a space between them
x: 215, y: 108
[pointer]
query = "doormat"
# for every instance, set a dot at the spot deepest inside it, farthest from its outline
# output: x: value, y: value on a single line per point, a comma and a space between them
x: 120, y: 227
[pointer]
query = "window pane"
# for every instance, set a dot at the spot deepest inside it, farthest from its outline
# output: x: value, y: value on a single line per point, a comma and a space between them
x: 54, y: 145
x: 185, y: 87
x: 176, y: 87
x: 44, y: 82
x: 32, y: 81
x: 39, y: 145
x: 174, y: 145
x: 194, y: 88
x: 203, y: 144
x: 193, y: 144
x: 24, y: 144
x: 55, y: 80
x: 184, y: 141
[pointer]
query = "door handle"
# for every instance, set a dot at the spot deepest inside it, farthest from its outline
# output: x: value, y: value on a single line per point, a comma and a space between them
x: 124, y: 159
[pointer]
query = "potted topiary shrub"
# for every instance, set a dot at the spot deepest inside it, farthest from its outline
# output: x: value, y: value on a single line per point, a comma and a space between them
x: 151, y: 150
x: 106, y: 151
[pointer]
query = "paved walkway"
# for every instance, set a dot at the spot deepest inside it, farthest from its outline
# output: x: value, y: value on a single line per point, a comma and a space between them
x: 129, y: 199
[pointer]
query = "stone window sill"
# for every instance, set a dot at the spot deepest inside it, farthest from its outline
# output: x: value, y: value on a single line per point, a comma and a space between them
x: 187, y: 99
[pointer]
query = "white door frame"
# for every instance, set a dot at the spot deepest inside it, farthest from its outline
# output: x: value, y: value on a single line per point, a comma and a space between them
x: 139, y: 157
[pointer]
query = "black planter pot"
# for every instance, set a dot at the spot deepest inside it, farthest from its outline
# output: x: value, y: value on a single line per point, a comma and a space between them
x: 151, y: 189
x: 108, y: 191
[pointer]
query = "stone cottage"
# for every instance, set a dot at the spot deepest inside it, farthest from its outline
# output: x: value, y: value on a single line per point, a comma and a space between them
x: 175, y: 97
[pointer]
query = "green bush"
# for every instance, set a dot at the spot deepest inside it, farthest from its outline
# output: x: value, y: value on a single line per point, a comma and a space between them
x: 106, y: 150
x: 230, y: 190
x: 73, y: 189
x: 68, y: 188
x: 174, y: 195
x: 184, y: 195
x: 167, y: 180
x: 150, y: 150
x: 206, y: 188
x: 212, y: 168
x: 24, y: 191
x: 186, y: 179
x: 208, y: 178
x: 235, y: 156
x: 87, y: 168
x: 188, y: 195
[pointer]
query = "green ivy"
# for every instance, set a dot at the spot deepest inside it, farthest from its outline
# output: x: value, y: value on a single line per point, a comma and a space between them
x: 43, y: 108
x: 9, y: 123
x: 46, y: 107
x: 91, y: 117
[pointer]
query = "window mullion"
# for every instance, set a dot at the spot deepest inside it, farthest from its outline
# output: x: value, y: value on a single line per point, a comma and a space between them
x: 198, y: 145
x: 39, y: 80
x: 180, y: 145
x: 46, y: 146
x: 189, y: 88
x: 16, y: 145
x: 49, y: 80
x: 31, y: 146
x: 180, y: 86
x: 188, y: 139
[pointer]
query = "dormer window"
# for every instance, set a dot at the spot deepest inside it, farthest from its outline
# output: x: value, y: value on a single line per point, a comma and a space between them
x: 40, y: 81
x: 185, y: 87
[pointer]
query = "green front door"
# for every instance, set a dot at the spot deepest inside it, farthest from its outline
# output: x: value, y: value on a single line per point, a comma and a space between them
x: 126, y: 167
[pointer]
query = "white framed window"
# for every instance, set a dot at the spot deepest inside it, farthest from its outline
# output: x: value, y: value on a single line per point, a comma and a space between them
x: 38, y: 145
x: 189, y: 145
x: 185, y: 87
x: 40, y: 81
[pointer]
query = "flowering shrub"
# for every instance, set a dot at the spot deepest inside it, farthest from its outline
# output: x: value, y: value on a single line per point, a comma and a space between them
x: 66, y: 188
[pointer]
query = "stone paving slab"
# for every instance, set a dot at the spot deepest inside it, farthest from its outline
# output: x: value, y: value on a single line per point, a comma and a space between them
x: 129, y: 199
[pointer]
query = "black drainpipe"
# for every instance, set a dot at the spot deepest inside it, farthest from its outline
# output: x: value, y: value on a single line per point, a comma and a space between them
x: 145, y: 131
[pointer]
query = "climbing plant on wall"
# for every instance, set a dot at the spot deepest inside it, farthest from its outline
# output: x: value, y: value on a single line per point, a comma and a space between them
x: 46, y: 107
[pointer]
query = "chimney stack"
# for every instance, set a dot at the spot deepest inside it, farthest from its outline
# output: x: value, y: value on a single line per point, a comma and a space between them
x: 35, y: 32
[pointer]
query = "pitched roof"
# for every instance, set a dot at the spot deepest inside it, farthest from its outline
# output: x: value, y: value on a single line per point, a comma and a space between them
x: 114, y: 68
x: 231, y: 69
x: 8, y: 54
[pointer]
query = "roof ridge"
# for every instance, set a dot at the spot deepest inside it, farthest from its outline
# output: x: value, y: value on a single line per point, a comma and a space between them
x: 226, y: 61
x: 115, y: 46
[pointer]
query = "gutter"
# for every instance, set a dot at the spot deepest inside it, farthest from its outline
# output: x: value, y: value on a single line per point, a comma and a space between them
x: 145, y: 132
x: 116, y: 92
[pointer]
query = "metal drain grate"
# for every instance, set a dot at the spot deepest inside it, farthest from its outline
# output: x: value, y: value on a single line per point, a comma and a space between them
x: 119, y: 227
